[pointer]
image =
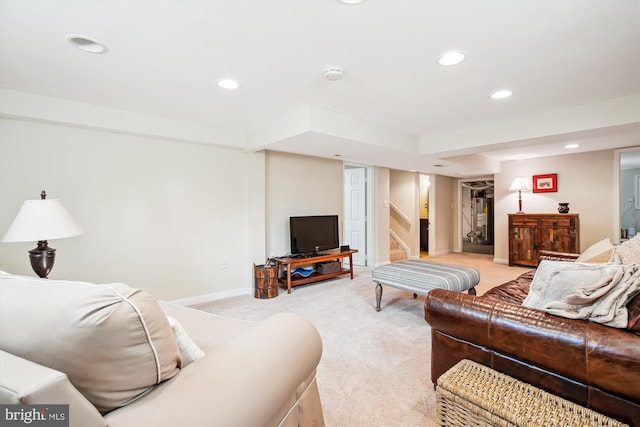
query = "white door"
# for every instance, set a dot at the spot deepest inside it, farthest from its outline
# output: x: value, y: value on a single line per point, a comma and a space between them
x: 355, y: 222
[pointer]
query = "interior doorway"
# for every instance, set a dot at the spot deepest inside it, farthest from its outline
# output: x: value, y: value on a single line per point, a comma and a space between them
x: 629, y: 193
x: 477, y: 217
x: 355, y: 212
x: 425, y: 186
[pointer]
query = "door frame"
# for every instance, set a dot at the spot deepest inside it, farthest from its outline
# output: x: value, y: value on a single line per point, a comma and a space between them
x: 616, y: 190
x: 457, y: 245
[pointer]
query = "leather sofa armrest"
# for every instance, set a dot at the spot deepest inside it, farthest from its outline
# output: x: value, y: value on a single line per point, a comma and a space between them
x: 557, y: 256
x: 589, y: 352
x: 25, y: 382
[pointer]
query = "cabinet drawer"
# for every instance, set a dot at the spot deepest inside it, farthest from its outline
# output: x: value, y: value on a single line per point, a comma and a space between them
x: 555, y: 222
x: 516, y: 222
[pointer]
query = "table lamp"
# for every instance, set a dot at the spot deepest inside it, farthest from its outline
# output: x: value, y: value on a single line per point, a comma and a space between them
x: 520, y: 184
x: 42, y: 220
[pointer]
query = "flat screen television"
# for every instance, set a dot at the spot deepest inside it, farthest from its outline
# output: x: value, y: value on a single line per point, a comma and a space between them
x: 311, y: 234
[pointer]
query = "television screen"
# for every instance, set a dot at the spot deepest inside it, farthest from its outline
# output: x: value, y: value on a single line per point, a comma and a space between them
x: 310, y: 234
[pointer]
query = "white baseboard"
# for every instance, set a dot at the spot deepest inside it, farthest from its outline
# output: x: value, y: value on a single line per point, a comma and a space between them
x: 501, y: 261
x: 378, y: 264
x: 201, y: 299
x: 442, y: 252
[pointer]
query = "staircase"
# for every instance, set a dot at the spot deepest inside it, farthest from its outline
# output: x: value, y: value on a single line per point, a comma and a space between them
x: 396, y: 252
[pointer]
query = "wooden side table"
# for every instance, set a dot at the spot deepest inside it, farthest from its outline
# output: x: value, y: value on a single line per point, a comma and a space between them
x: 290, y: 263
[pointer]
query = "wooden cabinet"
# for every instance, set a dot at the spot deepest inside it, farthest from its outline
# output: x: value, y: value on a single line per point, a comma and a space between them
x: 531, y: 233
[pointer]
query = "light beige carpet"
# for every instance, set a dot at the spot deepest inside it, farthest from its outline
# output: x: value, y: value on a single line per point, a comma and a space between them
x: 374, y: 369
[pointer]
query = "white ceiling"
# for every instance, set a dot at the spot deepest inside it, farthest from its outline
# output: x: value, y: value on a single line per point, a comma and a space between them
x: 566, y: 61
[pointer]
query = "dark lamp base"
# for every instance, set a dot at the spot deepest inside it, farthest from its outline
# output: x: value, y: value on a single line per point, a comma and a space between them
x: 42, y: 259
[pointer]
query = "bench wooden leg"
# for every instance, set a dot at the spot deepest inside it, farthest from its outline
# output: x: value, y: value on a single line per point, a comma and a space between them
x: 415, y: 295
x: 378, y: 295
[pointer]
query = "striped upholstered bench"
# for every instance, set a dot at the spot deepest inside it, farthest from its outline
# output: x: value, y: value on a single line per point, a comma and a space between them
x: 420, y: 277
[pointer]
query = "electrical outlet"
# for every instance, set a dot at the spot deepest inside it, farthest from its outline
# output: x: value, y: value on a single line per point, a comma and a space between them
x: 223, y: 263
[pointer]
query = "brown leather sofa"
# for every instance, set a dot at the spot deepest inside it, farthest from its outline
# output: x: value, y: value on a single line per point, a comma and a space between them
x: 593, y: 365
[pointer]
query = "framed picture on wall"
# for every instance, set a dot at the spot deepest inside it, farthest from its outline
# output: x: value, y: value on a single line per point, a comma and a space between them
x: 545, y: 183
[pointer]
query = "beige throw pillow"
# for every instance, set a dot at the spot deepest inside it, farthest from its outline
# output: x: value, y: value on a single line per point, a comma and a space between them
x: 114, y: 342
x: 599, y: 252
x: 598, y: 292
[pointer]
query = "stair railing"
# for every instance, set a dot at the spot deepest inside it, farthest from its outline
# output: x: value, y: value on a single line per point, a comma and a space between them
x: 401, y: 242
x: 399, y: 212
x: 404, y: 217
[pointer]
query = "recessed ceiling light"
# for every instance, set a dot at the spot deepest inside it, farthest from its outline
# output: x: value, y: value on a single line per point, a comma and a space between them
x: 351, y: 1
x: 570, y: 146
x: 452, y: 58
x: 87, y: 44
x: 228, y: 84
x: 501, y: 94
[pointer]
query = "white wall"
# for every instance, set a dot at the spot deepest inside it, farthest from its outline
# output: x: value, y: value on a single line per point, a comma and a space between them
x: 443, y: 221
x: 585, y: 181
x: 405, y: 194
x: 380, y: 216
x: 158, y: 214
x: 162, y: 214
x: 297, y: 186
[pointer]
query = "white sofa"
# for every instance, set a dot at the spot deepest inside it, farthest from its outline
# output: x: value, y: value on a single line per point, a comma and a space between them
x: 110, y: 352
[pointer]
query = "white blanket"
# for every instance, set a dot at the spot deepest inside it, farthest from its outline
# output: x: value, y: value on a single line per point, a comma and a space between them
x: 598, y: 292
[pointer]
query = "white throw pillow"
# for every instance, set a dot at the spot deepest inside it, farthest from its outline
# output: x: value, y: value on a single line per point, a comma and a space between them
x: 189, y: 350
x: 628, y: 252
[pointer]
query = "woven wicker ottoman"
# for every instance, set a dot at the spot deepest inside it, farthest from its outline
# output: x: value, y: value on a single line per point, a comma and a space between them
x: 470, y: 394
x: 420, y: 277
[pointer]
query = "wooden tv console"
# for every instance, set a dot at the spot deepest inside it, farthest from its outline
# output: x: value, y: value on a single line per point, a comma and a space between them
x: 290, y: 263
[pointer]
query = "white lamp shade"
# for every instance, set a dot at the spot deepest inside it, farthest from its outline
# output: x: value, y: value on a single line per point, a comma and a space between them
x: 42, y: 220
x: 520, y: 183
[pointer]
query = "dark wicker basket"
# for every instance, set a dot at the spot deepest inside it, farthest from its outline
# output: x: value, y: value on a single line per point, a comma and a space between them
x: 328, y: 267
